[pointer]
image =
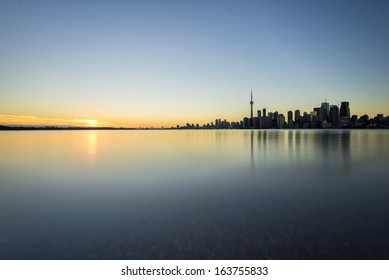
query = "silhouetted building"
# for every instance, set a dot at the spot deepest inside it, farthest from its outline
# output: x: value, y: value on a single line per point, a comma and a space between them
x: 290, y: 119
x: 297, y: 118
x: 326, y: 108
x: 317, y: 110
x: 260, y: 120
x: 364, y: 121
x: 314, y: 115
x: 246, y: 123
x: 345, y: 110
x: 280, y: 121
x: 354, y: 119
x: 274, y: 117
x: 255, y: 122
x: 344, y: 116
x: 306, y: 120
x: 290, y: 115
x: 334, y: 115
x: 324, y: 111
x: 265, y: 122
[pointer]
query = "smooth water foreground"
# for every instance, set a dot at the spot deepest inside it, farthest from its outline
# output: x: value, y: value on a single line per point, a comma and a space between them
x: 238, y: 194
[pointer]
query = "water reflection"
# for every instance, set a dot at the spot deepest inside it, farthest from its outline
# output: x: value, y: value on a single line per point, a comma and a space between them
x: 320, y: 150
x: 252, y: 150
x: 345, y: 150
x: 239, y: 194
x: 92, y: 148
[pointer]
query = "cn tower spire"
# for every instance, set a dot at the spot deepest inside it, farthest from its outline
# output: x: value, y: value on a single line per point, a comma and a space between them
x: 251, y: 103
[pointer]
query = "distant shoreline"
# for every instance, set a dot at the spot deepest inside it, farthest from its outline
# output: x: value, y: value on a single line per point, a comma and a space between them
x: 63, y: 128
x: 30, y: 128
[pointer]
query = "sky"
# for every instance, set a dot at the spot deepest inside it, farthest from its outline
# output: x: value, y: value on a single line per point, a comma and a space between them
x: 163, y: 63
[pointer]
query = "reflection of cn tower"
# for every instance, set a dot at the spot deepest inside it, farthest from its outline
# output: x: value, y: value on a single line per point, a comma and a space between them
x: 251, y: 123
x: 252, y: 150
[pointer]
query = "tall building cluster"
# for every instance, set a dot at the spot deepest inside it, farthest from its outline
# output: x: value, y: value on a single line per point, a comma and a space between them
x: 325, y: 116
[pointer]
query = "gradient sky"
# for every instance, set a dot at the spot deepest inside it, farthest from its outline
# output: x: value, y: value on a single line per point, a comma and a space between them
x: 153, y: 63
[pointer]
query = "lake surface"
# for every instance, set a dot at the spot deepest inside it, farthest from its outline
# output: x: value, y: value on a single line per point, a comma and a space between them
x: 200, y: 194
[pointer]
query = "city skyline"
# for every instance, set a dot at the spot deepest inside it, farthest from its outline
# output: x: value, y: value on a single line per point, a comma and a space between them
x: 328, y: 115
x: 154, y: 64
x: 314, y: 117
x: 338, y: 115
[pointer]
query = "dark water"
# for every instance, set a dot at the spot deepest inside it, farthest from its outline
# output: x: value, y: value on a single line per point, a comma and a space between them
x: 194, y: 194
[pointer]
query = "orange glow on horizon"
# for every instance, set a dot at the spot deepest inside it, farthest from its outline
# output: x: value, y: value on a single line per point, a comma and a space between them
x: 91, y: 123
x: 123, y: 121
x: 25, y: 120
x: 28, y: 120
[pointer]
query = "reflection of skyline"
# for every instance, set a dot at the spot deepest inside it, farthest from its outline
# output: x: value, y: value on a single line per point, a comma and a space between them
x: 300, y: 149
x: 191, y: 193
x: 252, y: 150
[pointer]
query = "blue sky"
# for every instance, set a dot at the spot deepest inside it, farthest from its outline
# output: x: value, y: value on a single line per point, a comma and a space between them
x: 167, y: 62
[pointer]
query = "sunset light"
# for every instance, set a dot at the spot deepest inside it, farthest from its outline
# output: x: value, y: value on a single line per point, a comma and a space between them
x: 91, y: 123
x: 145, y: 71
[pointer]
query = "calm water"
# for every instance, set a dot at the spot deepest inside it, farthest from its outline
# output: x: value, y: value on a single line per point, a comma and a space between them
x: 194, y: 194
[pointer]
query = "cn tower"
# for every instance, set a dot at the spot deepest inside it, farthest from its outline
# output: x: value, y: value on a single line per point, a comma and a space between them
x: 251, y: 103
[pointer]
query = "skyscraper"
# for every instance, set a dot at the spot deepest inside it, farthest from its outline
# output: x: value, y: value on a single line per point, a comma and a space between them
x: 280, y: 122
x: 246, y: 122
x: 260, y: 119
x: 324, y: 111
x: 334, y: 115
x: 290, y: 114
x: 297, y: 116
x: 345, y: 110
x: 290, y: 119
